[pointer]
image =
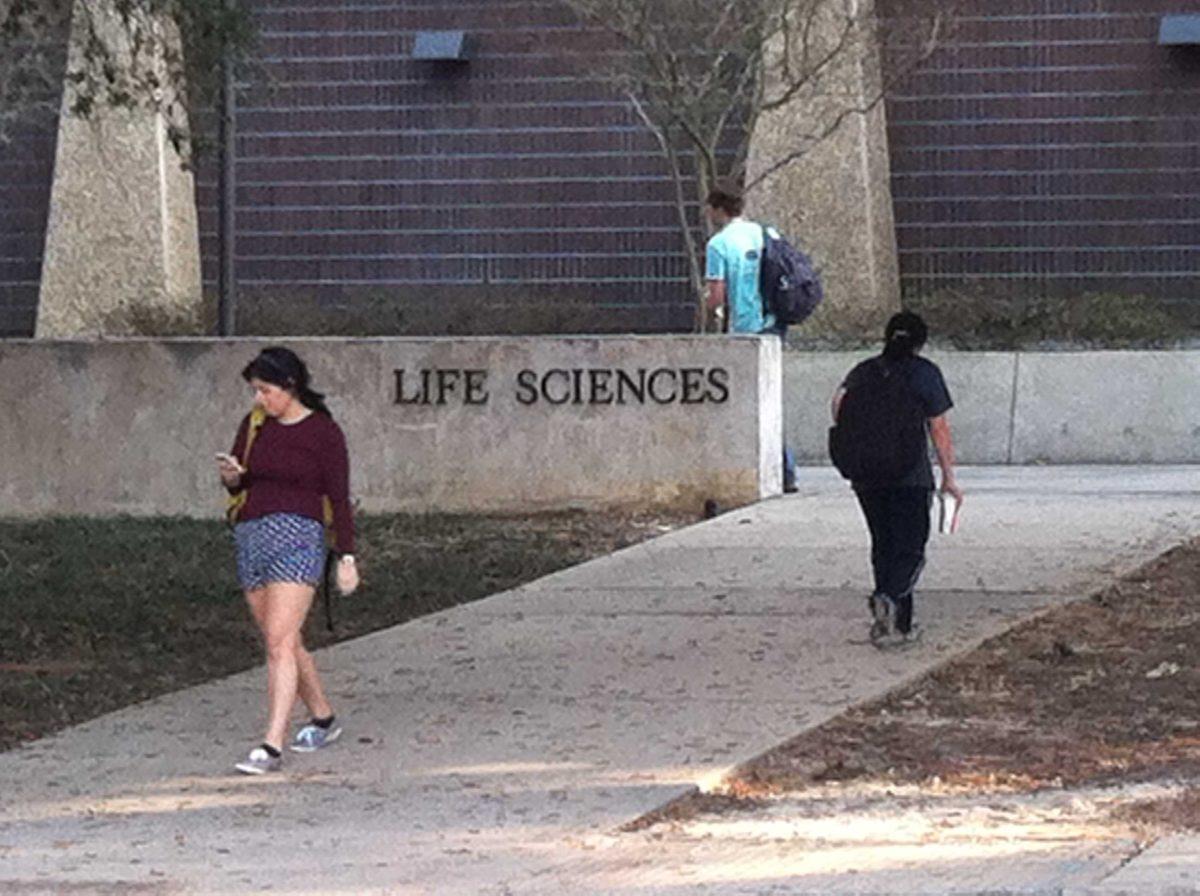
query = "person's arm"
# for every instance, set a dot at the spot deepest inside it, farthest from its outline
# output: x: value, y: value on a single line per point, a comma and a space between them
x: 716, y: 294
x: 835, y: 403
x: 335, y: 478
x: 943, y: 444
x: 714, y: 275
x: 235, y: 478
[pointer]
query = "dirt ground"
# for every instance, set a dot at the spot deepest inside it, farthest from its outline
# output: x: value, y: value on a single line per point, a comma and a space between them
x: 1101, y: 691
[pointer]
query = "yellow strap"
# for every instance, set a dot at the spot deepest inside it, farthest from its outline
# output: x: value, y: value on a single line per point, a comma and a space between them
x: 257, y: 418
x: 235, y: 502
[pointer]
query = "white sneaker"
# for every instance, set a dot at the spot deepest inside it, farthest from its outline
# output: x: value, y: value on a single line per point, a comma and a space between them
x: 259, y: 762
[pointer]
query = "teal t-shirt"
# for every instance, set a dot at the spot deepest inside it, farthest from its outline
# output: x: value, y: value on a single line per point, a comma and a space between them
x: 733, y: 256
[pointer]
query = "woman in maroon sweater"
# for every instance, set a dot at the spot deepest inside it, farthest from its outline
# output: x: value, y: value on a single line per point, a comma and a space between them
x: 296, y: 459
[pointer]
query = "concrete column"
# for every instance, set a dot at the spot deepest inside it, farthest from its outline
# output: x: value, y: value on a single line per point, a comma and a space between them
x: 835, y: 200
x: 122, y: 250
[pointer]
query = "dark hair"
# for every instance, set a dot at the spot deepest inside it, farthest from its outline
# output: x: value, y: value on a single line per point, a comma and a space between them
x: 727, y: 201
x: 282, y: 367
x: 904, y: 336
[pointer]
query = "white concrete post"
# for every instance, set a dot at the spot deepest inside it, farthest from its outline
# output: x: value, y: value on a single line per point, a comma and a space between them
x: 122, y: 252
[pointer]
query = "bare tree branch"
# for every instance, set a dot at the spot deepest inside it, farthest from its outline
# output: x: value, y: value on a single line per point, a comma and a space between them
x: 701, y: 73
x: 128, y: 54
x: 689, y: 236
x: 812, y: 140
x: 810, y: 74
x: 807, y: 142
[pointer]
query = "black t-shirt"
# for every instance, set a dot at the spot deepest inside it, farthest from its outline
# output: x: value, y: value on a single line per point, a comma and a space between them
x: 929, y: 387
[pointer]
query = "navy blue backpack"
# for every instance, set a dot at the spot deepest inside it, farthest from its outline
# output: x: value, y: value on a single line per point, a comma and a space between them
x: 790, y: 288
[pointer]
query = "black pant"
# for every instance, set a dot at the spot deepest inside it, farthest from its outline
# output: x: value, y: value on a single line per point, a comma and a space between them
x: 899, y: 522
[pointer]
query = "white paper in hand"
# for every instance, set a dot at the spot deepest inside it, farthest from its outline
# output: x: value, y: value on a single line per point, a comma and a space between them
x: 948, y: 508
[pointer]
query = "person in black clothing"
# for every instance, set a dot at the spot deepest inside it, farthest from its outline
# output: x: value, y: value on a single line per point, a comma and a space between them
x: 897, y: 511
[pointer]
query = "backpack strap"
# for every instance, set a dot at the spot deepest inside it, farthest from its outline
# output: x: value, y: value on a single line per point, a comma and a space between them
x: 762, y: 257
x: 330, y: 559
x: 257, y: 418
x: 235, y: 502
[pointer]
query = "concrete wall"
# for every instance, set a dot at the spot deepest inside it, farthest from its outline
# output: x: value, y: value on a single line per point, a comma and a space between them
x: 1026, y: 408
x: 131, y: 426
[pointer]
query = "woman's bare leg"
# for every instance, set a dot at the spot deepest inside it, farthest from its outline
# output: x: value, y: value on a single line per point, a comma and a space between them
x: 284, y: 608
x: 256, y: 600
x: 309, y: 685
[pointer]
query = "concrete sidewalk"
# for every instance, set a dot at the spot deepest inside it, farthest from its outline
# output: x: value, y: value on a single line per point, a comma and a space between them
x: 495, y: 748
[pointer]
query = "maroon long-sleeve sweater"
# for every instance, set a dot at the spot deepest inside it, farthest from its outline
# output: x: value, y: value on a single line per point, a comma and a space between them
x: 291, y: 466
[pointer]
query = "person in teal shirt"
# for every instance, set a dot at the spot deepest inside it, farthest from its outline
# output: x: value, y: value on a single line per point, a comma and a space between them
x: 732, y: 266
x: 733, y: 260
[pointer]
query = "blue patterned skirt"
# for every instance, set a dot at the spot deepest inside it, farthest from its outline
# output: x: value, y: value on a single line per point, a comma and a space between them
x: 279, y: 547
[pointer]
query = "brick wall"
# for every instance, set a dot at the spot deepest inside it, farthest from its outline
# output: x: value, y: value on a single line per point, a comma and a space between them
x: 509, y: 192
x: 1052, y: 145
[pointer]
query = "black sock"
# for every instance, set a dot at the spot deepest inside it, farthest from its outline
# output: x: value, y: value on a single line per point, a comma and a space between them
x: 271, y: 751
x: 325, y: 723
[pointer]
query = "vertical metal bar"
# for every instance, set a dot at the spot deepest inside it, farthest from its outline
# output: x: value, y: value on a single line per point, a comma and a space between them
x: 227, y: 302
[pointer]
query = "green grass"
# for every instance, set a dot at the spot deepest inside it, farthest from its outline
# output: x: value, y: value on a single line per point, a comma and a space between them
x: 96, y: 614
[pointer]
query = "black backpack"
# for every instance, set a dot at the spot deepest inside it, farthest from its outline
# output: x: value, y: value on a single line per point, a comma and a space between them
x: 879, y: 437
x: 790, y: 288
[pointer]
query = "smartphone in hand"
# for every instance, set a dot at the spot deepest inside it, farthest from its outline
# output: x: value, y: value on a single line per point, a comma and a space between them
x: 230, y: 461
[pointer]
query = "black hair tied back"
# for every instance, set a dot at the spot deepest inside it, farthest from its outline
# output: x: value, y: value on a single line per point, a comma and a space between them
x: 282, y: 367
x: 905, y: 334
